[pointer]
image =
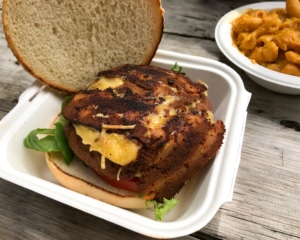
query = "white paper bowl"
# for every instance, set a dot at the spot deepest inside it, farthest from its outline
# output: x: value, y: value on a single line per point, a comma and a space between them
x: 265, y: 77
x: 198, y: 201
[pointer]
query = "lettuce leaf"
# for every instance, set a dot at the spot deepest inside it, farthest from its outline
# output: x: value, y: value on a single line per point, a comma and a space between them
x: 176, y: 67
x: 161, y: 209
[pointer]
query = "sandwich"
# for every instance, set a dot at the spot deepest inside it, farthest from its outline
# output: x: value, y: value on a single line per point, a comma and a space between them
x: 140, y: 130
x: 129, y: 133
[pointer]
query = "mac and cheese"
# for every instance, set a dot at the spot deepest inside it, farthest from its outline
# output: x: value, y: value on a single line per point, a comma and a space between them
x: 269, y: 38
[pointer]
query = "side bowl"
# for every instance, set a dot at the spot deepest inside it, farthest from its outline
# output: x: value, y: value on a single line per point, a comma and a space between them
x: 265, y: 77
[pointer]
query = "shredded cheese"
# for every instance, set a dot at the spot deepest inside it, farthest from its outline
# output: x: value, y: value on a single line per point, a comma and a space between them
x: 118, y: 174
x: 108, y: 126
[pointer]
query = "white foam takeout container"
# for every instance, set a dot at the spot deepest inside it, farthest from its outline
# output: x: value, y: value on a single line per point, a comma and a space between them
x: 198, y: 201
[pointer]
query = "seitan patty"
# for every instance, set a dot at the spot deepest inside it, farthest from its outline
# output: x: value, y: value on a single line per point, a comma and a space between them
x: 161, y: 111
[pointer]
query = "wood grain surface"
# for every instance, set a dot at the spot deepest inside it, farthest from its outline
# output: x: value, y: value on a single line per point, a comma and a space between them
x: 266, y: 198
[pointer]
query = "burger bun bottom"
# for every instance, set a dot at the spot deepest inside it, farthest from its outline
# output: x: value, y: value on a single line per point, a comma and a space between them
x: 80, y: 178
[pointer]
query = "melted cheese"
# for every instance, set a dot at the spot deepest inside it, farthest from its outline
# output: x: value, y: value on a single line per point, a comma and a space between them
x: 115, y: 147
x: 210, y: 116
x: 159, y: 119
x: 104, y: 83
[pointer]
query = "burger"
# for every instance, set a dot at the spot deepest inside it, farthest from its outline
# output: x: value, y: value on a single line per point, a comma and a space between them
x: 129, y: 134
x: 135, y: 136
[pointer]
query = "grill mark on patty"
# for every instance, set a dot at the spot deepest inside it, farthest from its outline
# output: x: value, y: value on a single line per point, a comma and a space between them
x: 171, y: 154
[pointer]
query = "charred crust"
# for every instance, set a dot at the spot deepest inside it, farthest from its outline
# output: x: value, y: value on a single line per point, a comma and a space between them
x: 169, y: 156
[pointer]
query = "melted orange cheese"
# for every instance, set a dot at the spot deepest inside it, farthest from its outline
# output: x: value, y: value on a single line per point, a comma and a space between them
x: 115, y: 147
x: 104, y: 83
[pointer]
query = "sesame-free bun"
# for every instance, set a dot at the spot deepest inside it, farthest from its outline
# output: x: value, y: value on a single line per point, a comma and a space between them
x: 82, y: 179
x: 66, y: 43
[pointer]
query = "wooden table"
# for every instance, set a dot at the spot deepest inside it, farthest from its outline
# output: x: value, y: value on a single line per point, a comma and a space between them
x: 266, y: 198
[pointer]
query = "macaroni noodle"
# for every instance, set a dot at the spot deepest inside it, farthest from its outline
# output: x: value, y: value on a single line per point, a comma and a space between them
x: 269, y: 38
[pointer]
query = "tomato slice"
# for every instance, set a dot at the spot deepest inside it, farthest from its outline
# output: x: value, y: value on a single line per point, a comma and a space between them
x: 129, y: 185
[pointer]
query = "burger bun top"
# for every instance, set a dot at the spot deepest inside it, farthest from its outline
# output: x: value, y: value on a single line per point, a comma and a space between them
x: 65, y: 44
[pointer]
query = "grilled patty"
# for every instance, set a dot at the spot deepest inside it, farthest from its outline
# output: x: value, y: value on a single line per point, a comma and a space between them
x: 163, y: 120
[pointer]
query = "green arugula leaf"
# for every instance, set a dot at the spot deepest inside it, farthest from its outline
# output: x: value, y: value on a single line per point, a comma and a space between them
x: 54, y: 140
x: 176, y: 68
x: 161, y: 209
x: 45, y: 144
x: 65, y: 101
x: 62, y: 142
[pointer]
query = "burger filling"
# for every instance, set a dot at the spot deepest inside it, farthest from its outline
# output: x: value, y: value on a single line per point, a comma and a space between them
x: 141, y: 128
x: 112, y: 146
x: 144, y: 123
